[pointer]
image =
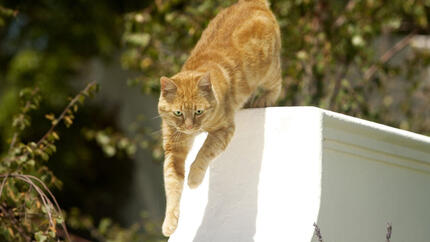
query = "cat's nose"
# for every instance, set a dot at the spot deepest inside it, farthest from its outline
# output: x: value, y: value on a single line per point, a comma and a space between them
x: 188, y: 124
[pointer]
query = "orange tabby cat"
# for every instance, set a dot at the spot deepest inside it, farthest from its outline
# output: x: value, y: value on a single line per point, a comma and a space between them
x: 236, y: 54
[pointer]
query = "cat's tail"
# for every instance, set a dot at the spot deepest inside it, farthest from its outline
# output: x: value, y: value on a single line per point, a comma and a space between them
x: 265, y: 2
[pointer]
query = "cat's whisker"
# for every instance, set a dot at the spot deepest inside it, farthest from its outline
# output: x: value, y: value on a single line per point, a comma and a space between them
x: 158, y: 116
x: 156, y: 131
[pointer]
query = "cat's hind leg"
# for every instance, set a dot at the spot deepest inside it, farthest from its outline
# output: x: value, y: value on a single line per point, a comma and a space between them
x: 271, y: 89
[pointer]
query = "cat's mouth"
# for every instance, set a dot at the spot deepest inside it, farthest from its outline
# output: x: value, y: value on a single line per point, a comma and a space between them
x: 189, y: 131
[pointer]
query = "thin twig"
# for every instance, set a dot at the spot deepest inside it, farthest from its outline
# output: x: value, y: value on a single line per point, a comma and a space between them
x: 2, y: 184
x: 389, y: 230
x: 26, y: 196
x: 337, y: 85
x: 318, y: 233
x: 372, y: 70
x: 45, y: 200
x: 60, y: 118
x: 12, y: 143
x: 14, y: 222
x: 341, y: 19
x: 389, y: 54
x: 55, y: 201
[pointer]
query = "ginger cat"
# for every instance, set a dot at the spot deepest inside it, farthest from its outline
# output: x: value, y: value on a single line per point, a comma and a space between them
x: 237, y: 53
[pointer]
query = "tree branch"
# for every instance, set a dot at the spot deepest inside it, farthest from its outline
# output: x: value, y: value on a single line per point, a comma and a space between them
x: 12, y: 143
x: 389, y: 54
x: 2, y: 184
x: 341, y: 19
x: 60, y: 118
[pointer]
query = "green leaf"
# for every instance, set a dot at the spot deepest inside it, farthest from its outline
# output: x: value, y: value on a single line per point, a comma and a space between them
x: 50, y: 116
x: 55, y: 135
x: 68, y: 121
x: 140, y: 39
x: 131, y: 149
x: 60, y: 219
x: 22, y: 159
x: 109, y: 150
x: 52, y: 148
x: 123, y: 143
x: 42, y: 154
x: 51, y: 233
x: 81, y: 99
x: 40, y: 237
x: 104, y: 225
x: 31, y: 163
x: 102, y: 138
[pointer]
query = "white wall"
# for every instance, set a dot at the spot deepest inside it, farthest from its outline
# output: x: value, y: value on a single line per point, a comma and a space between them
x: 287, y: 168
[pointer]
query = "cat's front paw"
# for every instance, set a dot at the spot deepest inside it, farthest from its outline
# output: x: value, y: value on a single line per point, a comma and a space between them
x: 169, y: 225
x: 196, y: 176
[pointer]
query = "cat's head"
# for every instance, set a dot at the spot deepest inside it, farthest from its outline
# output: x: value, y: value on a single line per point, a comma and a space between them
x: 187, y: 101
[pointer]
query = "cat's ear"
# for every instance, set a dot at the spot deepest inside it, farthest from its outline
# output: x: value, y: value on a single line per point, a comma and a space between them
x: 168, y: 86
x: 205, y: 83
x: 205, y: 86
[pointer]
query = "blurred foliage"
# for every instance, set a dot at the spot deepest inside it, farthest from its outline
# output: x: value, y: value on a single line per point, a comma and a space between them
x: 107, y: 230
x: 338, y: 55
x: 46, y: 45
x: 6, y: 13
x: 358, y: 57
x: 28, y: 209
x: 111, y: 142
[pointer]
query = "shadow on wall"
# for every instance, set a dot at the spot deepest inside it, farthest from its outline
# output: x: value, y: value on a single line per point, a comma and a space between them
x: 231, y: 211
x: 360, y: 195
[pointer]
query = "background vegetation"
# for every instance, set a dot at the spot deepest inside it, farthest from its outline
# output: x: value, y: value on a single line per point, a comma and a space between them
x: 357, y: 57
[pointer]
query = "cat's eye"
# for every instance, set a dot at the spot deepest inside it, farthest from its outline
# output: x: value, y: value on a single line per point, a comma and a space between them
x: 177, y: 113
x: 198, y: 112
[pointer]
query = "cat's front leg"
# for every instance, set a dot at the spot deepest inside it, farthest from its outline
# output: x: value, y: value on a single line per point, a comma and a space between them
x: 215, y: 143
x: 176, y: 147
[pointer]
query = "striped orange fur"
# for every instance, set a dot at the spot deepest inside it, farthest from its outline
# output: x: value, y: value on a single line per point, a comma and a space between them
x: 236, y: 54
